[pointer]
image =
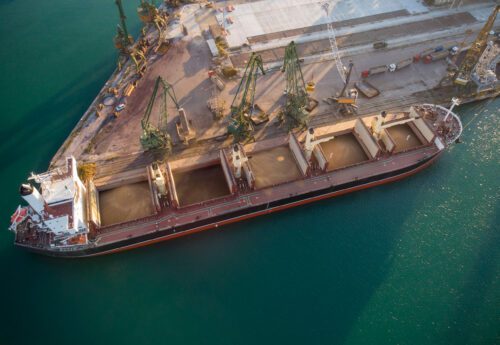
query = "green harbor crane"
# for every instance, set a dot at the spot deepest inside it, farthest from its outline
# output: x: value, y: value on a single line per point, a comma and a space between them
x: 243, y: 106
x: 294, y: 113
x: 156, y: 136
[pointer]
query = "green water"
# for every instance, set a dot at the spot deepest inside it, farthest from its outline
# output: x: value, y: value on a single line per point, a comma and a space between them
x: 415, y: 262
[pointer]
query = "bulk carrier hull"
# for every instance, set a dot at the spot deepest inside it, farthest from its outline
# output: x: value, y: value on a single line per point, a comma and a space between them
x: 76, y: 217
x: 215, y: 222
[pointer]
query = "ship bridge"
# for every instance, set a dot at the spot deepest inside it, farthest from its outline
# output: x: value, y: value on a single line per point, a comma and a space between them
x: 59, y: 211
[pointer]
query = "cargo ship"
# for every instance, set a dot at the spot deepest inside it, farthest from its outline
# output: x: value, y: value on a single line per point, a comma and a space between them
x: 289, y: 137
x: 70, y: 216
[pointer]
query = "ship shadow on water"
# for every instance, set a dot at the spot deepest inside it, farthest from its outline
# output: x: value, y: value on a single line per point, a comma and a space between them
x: 317, y: 265
x: 299, y: 276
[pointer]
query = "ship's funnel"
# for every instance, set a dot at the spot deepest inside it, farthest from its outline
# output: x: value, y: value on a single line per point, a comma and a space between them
x: 32, y: 197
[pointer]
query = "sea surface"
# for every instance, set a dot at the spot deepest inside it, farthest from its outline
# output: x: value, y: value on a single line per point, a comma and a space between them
x: 414, y: 262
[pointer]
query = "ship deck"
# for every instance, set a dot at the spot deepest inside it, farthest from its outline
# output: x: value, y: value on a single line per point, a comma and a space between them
x: 169, y: 218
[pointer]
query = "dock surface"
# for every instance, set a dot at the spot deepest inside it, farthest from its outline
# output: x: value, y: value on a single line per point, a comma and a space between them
x: 408, y: 27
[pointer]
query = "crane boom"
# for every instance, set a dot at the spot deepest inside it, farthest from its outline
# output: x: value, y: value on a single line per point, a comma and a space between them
x: 156, y: 137
x: 474, y: 53
x: 243, y: 102
x: 347, y: 79
x: 122, y: 17
x: 332, y: 38
x: 294, y: 112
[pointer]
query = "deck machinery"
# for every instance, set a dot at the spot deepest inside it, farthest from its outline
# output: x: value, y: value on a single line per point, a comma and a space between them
x: 242, y: 107
x: 156, y: 136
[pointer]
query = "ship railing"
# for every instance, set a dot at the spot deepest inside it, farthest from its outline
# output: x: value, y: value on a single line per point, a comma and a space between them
x: 245, y: 201
x: 242, y: 199
x: 454, y: 131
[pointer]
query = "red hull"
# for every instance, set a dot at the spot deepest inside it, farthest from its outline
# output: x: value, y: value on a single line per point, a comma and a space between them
x: 275, y: 209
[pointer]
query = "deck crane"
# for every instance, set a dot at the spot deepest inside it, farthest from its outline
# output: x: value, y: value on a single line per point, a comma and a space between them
x: 295, y: 113
x: 463, y: 75
x: 311, y: 142
x: 243, y: 106
x: 156, y: 137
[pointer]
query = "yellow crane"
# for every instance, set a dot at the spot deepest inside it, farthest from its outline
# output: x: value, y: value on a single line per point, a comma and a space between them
x: 150, y: 14
x: 470, y: 60
x: 125, y: 43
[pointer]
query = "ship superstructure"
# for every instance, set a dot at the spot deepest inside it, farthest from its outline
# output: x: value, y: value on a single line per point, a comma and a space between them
x: 56, y: 215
